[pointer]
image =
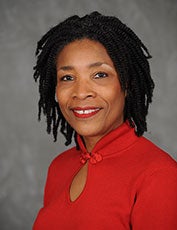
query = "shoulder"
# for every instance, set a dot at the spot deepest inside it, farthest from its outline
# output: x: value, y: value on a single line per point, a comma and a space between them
x: 152, y: 157
x: 147, y: 162
x: 154, y: 194
x: 157, y: 170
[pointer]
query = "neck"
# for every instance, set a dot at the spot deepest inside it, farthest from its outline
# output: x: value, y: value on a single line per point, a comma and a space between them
x: 90, y: 142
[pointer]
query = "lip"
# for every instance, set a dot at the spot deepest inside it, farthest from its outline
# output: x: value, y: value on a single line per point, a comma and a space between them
x: 85, y: 112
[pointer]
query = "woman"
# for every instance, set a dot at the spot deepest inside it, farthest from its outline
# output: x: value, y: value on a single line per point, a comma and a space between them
x: 97, y: 69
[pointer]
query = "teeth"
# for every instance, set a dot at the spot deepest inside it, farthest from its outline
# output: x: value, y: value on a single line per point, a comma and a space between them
x: 85, y: 111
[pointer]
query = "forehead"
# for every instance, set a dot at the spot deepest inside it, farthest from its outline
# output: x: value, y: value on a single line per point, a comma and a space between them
x: 84, y: 50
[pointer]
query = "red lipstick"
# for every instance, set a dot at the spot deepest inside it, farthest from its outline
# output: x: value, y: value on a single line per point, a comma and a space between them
x: 85, y: 112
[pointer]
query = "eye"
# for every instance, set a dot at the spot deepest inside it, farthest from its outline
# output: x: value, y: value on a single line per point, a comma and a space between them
x: 66, y: 78
x: 100, y: 75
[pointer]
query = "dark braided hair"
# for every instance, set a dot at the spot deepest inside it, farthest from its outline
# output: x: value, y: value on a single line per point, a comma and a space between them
x: 127, y: 52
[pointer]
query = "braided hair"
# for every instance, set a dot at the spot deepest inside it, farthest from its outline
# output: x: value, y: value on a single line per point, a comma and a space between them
x: 127, y: 52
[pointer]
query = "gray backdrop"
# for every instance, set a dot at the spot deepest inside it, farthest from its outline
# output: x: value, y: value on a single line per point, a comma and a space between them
x: 25, y: 148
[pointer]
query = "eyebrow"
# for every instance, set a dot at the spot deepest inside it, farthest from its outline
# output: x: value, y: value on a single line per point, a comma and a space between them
x: 92, y: 65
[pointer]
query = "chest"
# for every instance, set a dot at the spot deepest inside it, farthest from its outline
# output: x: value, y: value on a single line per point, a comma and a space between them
x: 93, y: 194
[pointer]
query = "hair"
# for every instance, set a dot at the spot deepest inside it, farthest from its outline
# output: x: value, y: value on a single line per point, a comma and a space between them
x: 128, y: 53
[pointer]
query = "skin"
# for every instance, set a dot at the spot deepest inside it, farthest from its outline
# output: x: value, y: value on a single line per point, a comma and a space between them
x: 87, y: 80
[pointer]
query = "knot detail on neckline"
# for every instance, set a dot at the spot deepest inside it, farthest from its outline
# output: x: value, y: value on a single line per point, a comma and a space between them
x: 93, y: 157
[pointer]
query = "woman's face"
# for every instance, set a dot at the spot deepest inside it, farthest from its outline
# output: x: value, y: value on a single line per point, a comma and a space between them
x: 88, y: 90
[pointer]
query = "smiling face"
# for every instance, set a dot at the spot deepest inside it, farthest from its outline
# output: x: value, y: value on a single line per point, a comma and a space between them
x: 88, y: 90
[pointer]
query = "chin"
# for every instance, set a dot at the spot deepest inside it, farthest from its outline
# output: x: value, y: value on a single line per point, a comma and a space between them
x: 89, y: 132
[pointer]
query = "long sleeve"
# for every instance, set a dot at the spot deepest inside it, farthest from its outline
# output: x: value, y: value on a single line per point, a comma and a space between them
x: 156, y: 203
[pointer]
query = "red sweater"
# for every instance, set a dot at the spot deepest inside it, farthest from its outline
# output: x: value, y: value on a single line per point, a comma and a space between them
x: 131, y: 184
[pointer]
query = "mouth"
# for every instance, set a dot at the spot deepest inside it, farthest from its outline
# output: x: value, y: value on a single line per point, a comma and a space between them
x: 85, y: 112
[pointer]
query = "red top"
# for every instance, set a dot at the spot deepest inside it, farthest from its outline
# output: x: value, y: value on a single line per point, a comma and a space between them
x: 131, y: 184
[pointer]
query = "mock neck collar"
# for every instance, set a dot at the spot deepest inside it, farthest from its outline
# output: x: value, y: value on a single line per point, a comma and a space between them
x: 113, y: 142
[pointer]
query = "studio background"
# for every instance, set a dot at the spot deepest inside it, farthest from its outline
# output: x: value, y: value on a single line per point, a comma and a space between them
x: 25, y: 149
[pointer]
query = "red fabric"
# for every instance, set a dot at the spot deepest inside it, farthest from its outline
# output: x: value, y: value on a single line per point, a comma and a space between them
x: 131, y: 184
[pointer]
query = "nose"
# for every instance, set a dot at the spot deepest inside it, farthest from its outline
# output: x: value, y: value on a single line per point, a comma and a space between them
x: 82, y: 90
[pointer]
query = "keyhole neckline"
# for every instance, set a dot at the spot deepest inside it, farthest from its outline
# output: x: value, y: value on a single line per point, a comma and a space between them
x: 83, y: 191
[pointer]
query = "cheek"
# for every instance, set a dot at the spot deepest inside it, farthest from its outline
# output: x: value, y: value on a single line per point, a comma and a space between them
x: 113, y: 94
x: 63, y: 98
x: 117, y: 102
x: 60, y: 97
